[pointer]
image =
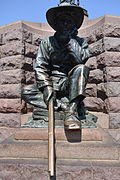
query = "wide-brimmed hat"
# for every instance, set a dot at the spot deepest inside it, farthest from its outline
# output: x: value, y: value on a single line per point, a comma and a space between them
x: 76, y: 13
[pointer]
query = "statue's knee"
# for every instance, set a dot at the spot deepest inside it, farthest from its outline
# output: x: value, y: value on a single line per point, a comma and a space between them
x: 28, y: 91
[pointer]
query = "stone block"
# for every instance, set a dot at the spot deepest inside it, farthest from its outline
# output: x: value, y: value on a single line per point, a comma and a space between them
x: 92, y: 63
x: 11, y: 62
x: 103, y: 119
x: 112, y: 104
x: 28, y: 64
x: 112, y: 74
x: 86, y: 151
x: 102, y: 91
x: 95, y: 76
x: 64, y: 150
x: 37, y: 169
x: 27, y: 36
x: 94, y: 104
x: 109, y: 59
x: 24, y: 171
x: 1, y: 39
x: 10, y: 119
x: 6, y: 132
x: 91, y: 37
x: 31, y: 50
x: 69, y: 172
x: 29, y: 72
x: 115, y: 133
x: 36, y: 39
x: 93, y: 33
x: 10, y: 91
x: 12, y: 77
x: 106, y: 173
x: 30, y: 77
x: 109, y: 89
x: 12, y: 35
x: 10, y: 105
x: 113, y: 89
x: 91, y: 90
x: 101, y: 60
x: 11, y: 49
x: 114, y: 120
x: 24, y: 150
x: 96, y: 48
x: 99, y: 31
x: 111, y: 30
x: 92, y: 134
x: 112, y: 44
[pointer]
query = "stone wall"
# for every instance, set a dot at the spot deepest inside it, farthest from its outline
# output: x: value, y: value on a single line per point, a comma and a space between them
x: 18, y: 47
x: 103, y: 89
x: 97, y: 159
x: 11, y: 74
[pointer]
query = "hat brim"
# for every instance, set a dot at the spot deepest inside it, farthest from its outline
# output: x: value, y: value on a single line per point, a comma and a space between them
x: 78, y: 15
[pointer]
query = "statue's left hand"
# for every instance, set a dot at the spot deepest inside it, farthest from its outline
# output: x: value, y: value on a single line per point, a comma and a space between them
x: 47, y: 94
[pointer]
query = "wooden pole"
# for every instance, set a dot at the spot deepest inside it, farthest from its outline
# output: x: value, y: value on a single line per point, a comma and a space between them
x: 51, y: 139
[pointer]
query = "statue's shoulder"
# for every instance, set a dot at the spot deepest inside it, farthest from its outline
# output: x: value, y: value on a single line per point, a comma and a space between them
x: 80, y: 40
x: 47, y: 40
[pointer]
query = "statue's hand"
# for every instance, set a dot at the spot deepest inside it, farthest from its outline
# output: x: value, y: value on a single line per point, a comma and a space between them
x: 47, y: 94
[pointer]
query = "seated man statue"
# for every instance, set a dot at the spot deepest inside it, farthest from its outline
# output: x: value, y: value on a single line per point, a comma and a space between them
x: 60, y: 69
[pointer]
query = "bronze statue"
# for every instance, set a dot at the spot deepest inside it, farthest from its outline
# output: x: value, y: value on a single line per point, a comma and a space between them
x: 60, y: 69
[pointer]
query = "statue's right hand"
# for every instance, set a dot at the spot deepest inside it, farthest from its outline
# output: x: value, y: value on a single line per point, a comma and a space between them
x: 47, y: 94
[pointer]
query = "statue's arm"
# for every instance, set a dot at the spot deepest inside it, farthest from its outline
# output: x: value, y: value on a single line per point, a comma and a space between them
x: 41, y: 66
x: 85, y: 54
x: 79, y: 50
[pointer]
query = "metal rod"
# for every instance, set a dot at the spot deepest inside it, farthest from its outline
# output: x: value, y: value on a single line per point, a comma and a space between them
x: 51, y: 139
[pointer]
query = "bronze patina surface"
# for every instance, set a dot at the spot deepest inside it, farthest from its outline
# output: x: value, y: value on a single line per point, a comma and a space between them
x: 60, y: 70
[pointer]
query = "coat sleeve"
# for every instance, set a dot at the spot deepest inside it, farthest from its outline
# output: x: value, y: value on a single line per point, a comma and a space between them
x: 85, y: 54
x: 42, y: 67
x: 79, y: 50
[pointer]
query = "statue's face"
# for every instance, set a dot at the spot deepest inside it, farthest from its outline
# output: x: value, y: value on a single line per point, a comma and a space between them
x: 64, y: 24
x: 65, y: 28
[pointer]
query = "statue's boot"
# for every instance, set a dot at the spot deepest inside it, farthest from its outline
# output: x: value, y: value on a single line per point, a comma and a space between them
x: 71, y: 117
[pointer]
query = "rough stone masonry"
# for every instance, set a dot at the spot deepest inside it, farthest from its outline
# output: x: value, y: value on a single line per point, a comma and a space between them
x: 18, y: 47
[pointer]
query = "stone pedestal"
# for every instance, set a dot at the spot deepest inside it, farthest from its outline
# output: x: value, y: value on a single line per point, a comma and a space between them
x: 81, y: 155
x: 60, y: 134
x: 89, y: 154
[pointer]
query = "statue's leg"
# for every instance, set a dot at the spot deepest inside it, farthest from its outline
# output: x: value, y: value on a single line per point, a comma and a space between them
x: 78, y: 77
x: 33, y: 96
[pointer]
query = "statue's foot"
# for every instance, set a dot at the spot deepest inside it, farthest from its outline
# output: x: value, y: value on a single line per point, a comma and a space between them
x: 72, y: 122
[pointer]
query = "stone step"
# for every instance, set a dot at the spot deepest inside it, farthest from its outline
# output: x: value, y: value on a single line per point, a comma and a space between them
x: 64, y: 150
x: 93, y: 134
x: 37, y: 169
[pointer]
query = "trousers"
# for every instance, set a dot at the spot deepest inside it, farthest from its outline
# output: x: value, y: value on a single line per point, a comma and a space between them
x: 66, y: 88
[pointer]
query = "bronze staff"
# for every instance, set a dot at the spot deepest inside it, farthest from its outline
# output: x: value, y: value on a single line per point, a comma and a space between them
x: 51, y: 138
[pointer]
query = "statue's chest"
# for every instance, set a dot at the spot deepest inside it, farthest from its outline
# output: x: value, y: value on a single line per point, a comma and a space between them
x: 67, y: 56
